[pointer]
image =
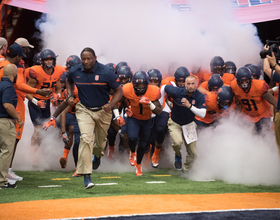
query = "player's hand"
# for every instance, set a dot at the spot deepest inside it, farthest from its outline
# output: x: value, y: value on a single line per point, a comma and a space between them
x: 128, y: 112
x: 70, y: 100
x: 144, y: 100
x: 65, y: 137
x: 44, y: 92
x: 119, y: 121
x: 41, y: 103
x: 49, y: 123
x: 55, y: 103
x: 185, y: 102
x: 55, y: 97
x: 20, y: 122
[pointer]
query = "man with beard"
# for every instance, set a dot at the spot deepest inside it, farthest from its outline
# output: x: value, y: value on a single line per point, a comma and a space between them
x: 187, y: 102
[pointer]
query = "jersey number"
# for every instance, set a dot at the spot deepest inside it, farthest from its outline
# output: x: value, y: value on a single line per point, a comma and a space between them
x: 141, y: 108
x: 247, y: 103
x: 47, y: 85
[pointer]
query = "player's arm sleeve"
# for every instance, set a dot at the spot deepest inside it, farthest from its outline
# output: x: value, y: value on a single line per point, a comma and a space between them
x: 200, y: 110
x: 21, y: 83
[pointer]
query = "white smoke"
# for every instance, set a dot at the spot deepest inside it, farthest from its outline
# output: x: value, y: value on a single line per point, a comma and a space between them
x: 232, y: 152
x: 148, y: 33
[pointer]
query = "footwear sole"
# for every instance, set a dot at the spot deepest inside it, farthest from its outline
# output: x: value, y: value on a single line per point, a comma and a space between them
x: 63, y: 162
x: 14, y: 179
x: 177, y: 168
x: 155, y: 165
x: 90, y: 185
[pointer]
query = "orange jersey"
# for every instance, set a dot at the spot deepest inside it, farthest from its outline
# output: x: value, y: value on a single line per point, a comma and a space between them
x: 20, y: 86
x: 2, y: 58
x: 44, y: 80
x: 206, y: 76
x: 167, y: 80
x: 228, y: 78
x: 76, y: 100
x: 140, y: 111
x: 212, y: 110
x: 276, y: 93
x: 253, y: 104
x: 204, y: 85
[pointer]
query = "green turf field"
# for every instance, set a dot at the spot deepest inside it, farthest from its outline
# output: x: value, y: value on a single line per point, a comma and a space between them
x: 128, y: 183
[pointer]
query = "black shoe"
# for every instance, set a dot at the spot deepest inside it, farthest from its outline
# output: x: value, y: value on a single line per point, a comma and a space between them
x: 87, y: 181
x: 178, y: 162
x: 95, y: 162
x: 9, y: 186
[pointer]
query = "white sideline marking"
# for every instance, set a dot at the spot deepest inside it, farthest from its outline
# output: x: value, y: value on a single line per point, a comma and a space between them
x: 156, y: 182
x: 50, y: 186
x: 204, y: 180
x: 106, y: 184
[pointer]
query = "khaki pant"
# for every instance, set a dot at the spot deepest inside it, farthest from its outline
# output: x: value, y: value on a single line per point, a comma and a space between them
x: 7, y: 144
x: 176, y: 133
x: 93, y: 127
x: 277, y: 131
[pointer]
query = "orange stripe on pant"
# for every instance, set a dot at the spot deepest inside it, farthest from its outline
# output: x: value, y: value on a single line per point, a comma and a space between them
x: 21, y: 112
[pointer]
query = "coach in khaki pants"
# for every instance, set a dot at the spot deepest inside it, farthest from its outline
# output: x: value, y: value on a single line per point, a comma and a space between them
x: 94, y: 82
x: 91, y: 143
x: 8, y: 102
x: 187, y: 102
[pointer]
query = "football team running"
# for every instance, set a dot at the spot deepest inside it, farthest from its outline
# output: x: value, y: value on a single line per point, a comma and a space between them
x: 96, y: 103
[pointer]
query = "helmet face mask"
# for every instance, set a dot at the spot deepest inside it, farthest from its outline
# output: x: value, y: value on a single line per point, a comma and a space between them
x: 140, y: 88
x: 45, y: 56
x: 180, y: 83
x: 140, y: 83
x: 230, y: 67
x: 244, y: 78
x: 244, y: 84
x: 217, y: 65
x: 48, y: 63
x: 224, y: 97
x: 124, y: 74
x: 124, y: 79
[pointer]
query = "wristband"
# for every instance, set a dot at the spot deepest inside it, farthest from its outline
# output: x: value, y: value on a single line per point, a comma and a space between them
x: 53, y: 117
x: 152, y: 106
x: 274, y: 89
x: 116, y: 113
x: 274, y: 66
x: 191, y: 106
x: 34, y: 101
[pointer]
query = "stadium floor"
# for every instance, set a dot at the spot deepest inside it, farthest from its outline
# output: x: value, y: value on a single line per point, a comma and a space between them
x: 211, y: 206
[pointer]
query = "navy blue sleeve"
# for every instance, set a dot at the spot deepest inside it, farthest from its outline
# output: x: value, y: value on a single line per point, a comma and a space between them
x: 201, y: 102
x: 112, y: 80
x: 8, y: 95
x: 69, y: 77
x: 276, y: 77
x: 171, y: 90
